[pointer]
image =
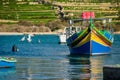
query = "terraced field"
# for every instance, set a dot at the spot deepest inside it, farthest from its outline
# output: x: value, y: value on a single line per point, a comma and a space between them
x: 36, y: 13
x: 100, y: 9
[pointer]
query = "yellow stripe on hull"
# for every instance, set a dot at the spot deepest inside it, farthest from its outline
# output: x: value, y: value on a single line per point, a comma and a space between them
x: 85, y: 40
x: 95, y: 38
x: 84, y: 32
x: 91, y: 36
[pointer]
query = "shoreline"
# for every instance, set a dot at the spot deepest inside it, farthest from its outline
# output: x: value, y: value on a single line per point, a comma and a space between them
x: 117, y: 32
x: 36, y: 33
x: 31, y: 33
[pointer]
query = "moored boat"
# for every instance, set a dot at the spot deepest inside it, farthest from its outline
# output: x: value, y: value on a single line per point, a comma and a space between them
x: 7, y: 62
x: 90, y: 39
x: 62, y: 36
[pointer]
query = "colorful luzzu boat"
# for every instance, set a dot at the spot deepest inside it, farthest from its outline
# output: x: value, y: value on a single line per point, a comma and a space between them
x: 7, y: 62
x: 91, y: 40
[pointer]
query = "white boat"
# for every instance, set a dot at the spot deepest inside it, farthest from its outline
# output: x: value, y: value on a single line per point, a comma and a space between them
x: 66, y: 33
x: 62, y: 38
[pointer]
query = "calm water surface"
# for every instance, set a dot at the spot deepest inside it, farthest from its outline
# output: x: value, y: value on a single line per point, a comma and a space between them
x: 48, y: 60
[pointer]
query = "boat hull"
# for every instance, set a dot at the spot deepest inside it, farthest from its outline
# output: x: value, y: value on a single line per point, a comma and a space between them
x: 91, y: 42
x: 87, y: 49
x: 6, y: 64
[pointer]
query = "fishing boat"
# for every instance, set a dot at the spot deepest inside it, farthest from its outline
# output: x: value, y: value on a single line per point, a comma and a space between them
x: 6, y: 62
x: 90, y: 39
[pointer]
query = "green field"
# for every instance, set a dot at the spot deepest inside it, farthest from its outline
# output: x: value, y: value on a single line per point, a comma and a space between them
x: 36, y: 13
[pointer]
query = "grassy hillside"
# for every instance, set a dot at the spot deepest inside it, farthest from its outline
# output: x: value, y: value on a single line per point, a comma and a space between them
x: 34, y: 13
x: 38, y: 13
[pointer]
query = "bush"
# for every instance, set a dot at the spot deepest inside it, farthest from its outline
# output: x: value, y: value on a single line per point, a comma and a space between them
x: 24, y: 23
x: 54, y: 25
x: 116, y: 27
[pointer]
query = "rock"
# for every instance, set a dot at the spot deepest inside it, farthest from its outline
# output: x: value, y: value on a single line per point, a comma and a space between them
x: 111, y: 72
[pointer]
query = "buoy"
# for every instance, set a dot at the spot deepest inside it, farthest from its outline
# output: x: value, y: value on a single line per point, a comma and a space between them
x: 38, y: 41
x: 14, y: 48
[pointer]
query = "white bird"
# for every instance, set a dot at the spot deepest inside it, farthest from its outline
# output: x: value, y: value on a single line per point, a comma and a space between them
x: 29, y: 38
x: 23, y: 38
x: 38, y: 41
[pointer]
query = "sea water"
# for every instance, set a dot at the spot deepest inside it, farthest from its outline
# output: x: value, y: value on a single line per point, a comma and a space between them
x: 44, y: 59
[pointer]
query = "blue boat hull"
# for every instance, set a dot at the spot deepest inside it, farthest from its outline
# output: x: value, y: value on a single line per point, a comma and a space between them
x: 90, y: 48
x: 90, y: 42
x: 6, y: 64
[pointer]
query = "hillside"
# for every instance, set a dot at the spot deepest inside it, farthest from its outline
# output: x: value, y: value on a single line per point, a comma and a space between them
x: 39, y: 13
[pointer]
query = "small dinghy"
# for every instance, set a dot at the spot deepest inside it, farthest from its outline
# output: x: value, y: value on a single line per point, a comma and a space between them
x: 6, y: 62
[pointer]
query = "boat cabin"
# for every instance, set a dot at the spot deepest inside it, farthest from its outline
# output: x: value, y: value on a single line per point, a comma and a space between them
x: 78, y: 25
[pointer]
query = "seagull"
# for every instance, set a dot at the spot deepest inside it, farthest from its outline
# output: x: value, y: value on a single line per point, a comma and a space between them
x: 29, y: 38
x: 23, y: 38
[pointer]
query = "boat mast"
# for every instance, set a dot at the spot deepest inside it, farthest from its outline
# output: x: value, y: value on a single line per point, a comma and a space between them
x: 104, y: 23
x: 110, y: 25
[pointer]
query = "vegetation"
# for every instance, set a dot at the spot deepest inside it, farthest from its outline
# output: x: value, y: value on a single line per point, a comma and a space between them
x: 52, y: 14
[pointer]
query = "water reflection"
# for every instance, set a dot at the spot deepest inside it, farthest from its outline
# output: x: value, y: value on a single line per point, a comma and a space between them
x: 60, y: 68
x: 7, y: 73
x: 42, y: 68
x: 86, y: 67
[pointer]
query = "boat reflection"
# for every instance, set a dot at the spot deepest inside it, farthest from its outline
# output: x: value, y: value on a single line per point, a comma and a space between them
x: 86, y: 67
x: 7, y: 72
x: 60, y: 68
